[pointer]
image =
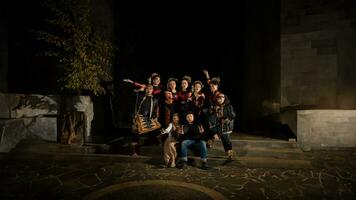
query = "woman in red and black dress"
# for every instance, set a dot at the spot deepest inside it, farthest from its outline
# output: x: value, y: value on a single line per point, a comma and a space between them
x: 184, y: 97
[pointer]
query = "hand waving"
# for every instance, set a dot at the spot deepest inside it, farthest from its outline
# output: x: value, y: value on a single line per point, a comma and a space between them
x: 127, y: 80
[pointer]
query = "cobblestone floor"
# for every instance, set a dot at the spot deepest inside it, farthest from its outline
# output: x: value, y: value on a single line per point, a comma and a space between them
x: 332, y: 175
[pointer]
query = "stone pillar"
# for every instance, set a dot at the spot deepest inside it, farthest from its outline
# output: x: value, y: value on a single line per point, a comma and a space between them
x: 84, y: 104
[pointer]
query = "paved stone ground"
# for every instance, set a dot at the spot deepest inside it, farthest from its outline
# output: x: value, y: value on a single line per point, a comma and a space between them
x: 331, y: 175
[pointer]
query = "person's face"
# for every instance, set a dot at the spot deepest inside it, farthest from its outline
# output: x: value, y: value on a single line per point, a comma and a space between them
x: 149, y: 91
x: 213, y: 87
x: 197, y: 87
x: 172, y: 85
x: 175, y: 119
x: 184, y: 84
x: 190, y: 118
x: 168, y: 95
x: 156, y: 80
x: 220, y: 100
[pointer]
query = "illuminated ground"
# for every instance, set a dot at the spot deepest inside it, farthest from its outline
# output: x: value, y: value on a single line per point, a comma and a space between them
x: 58, y: 175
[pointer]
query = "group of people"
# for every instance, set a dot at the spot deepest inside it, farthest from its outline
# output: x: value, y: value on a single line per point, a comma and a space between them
x: 187, y: 116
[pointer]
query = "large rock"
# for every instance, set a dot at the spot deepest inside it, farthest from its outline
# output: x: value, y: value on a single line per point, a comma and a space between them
x: 14, y: 130
x: 23, y: 116
x: 21, y: 105
x: 34, y: 105
x: 324, y: 129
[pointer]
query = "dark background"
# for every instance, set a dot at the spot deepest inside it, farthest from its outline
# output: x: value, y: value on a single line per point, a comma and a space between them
x: 239, y: 42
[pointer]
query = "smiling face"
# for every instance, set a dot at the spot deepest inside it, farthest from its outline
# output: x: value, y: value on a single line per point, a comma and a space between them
x: 184, y: 84
x: 175, y: 119
x: 149, y: 90
x: 168, y: 95
x: 220, y: 99
x: 156, y: 81
x: 213, y: 87
x: 190, y: 118
x: 172, y: 85
x: 197, y: 87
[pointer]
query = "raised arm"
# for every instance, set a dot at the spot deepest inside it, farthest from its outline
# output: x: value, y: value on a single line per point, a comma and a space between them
x: 127, y: 80
x: 142, y: 86
x: 206, y: 73
x: 168, y: 129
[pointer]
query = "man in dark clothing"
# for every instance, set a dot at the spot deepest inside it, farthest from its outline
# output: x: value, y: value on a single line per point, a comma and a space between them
x: 148, y: 109
x: 148, y: 105
x: 193, y: 134
x: 221, y: 122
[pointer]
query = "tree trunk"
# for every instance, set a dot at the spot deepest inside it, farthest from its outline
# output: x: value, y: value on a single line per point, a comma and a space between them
x: 72, y: 127
x: 74, y: 119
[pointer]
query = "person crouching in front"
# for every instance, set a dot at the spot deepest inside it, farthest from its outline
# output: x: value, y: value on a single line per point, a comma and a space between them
x: 174, y: 130
x: 193, y: 134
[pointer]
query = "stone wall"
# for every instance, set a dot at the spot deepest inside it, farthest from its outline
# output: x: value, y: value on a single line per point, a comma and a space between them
x: 12, y: 131
x: 13, y: 106
x: 27, y: 116
x: 318, y: 62
x: 35, y: 116
x: 320, y: 129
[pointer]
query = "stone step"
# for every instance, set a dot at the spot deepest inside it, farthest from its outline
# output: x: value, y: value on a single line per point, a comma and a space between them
x: 244, y: 148
x: 263, y: 152
x: 243, y: 143
x: 39, y: 146
x: 247, y: 157
x: 284, y: 153
x: 249, y: 162
x: 258, y: 162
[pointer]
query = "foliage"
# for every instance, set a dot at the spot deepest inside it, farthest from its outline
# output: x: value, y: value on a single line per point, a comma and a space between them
x: 83, y: 54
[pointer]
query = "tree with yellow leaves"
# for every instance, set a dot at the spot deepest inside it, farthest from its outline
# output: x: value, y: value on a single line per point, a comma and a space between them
x: 83, y: 54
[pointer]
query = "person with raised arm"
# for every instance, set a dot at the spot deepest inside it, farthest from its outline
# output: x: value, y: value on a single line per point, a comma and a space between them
x: 154, y: 80
x: 146, y: 112
x: 210, y: 102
